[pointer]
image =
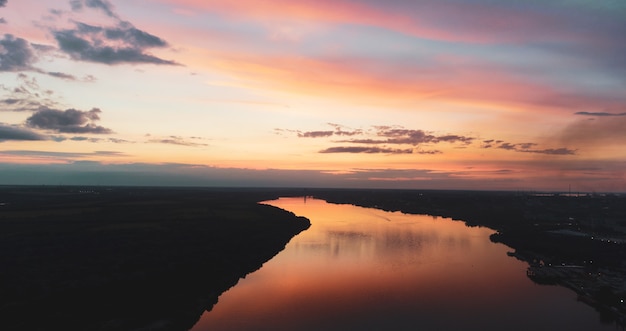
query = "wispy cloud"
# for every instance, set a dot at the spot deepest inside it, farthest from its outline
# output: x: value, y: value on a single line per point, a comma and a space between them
x: 414, y: 140
x: 595, y: 132
x: 586, y: 113
x: 66, y: 155
x: 315, y: 134
x: 61, y: 138
x: 2, y: 4
x: 476, y: 22
x: 392, y: 135
x: 550, y: 151
x: 526, y: 147
x: 61, y: 75
x: 367, y: 150
x: 102, y: 5
x: 339, y: 130
x: 538, y: 56
x: 411, y: 137
x: 178, y: 140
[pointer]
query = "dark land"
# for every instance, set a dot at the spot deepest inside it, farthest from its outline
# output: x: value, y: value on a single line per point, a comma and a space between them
x: 116, y: 258
x: 129, y: 258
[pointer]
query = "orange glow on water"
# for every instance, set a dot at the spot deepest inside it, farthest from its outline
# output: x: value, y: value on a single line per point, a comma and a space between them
x: 361, y: 268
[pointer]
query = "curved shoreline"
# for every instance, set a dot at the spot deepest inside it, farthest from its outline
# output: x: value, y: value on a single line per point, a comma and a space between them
x: 128, y: 258
x: 547, y: 231
x: 121, y: 272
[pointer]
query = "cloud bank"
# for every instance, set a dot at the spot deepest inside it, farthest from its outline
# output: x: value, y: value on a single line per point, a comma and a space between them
x: 13, y: 132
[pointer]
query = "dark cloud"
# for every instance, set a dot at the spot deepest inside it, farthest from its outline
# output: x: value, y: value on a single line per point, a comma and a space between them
x: 61, y: 75
x: 551, y: 151
x: 416, y: 137
x: 102, y: 5
x: 2, y: 20
x: 110, y: 153
x: 586, y: 113
x: 341, y: 130
x: 366, y: 150
x: 394, y: 135
x: 487, y: 143
x: 430, y: 152
x: 12, y: 132
x: 90, y: 139
x: 398, y: 135
x: 410, y: 137
x: 527, y: 148
x: 55, y: 12
x: 3, y: 3
x: 15, y: 54
x: 77, y: 5
x: 120, y: 44
x: 177, y: 140
x: 454, y: 139
x: 508, y: 146
x: 119, y: 141
x: 315, y: 134
x: 348, y: 133
x: 67, y: 121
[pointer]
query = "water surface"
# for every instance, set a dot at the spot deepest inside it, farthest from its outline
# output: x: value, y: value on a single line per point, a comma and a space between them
x: 366, y: 269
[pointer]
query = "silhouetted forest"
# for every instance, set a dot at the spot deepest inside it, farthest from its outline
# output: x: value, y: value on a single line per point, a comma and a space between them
x: 128, y: 258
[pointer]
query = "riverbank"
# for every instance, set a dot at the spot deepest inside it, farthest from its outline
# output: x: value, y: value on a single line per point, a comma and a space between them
x: 548, y: 231
x: 117, y: 258
x: 129, y: 258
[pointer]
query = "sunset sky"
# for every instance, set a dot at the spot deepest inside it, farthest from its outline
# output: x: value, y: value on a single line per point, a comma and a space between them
x: 437, y: 94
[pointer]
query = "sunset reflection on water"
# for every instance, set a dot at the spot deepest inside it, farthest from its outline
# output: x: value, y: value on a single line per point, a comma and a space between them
x: 367, y: 269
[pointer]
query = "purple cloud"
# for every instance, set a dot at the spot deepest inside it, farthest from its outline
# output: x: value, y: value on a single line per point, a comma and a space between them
x: 67, y: 121
x: 366, y: 150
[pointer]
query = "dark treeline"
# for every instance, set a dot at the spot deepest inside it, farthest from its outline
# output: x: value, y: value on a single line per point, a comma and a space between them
x: 129, y: 258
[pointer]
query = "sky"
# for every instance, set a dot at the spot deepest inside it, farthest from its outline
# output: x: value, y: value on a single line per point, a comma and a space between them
x: 423, y: 94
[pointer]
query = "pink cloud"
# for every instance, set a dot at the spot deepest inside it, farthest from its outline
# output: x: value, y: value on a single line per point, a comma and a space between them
x: 370, y: 81
x: 334, y: 12
x: 435, y: 20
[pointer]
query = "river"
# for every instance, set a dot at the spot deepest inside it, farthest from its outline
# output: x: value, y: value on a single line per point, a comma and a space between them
x: 366, y: 269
